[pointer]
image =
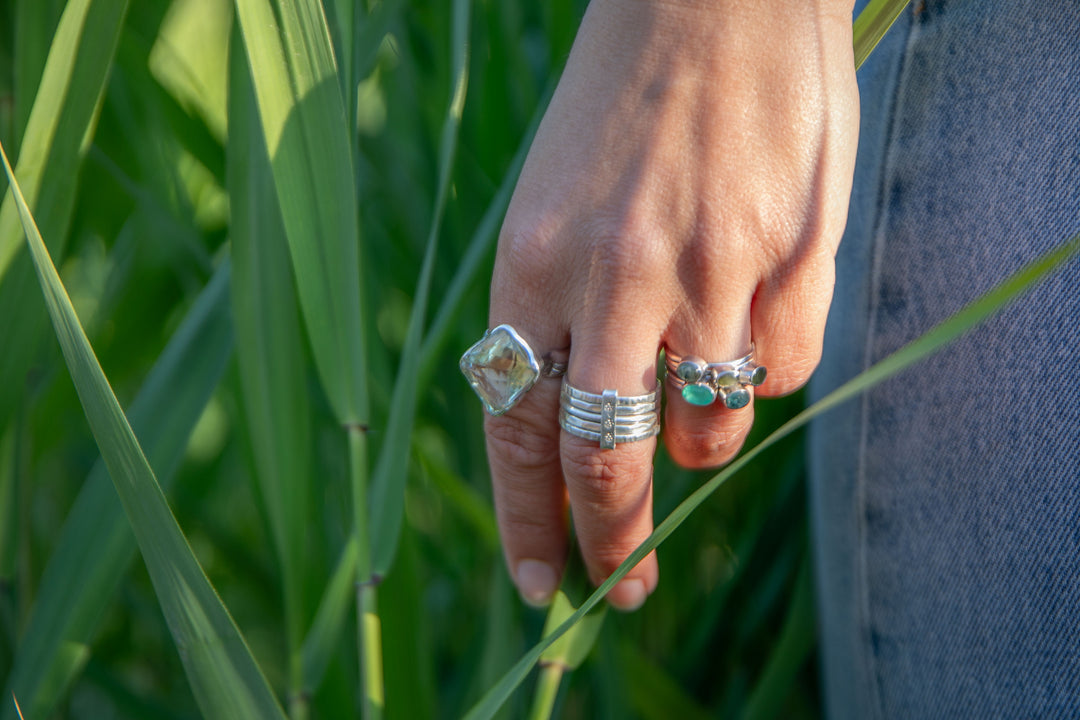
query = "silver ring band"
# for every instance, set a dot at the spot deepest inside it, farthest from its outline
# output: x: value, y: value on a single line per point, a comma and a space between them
x: 701, y: 383
x: 608, y: 418
x: 632, y: 402
x: 622, y: 436
x: 551, y: 369
x: 590, y: 417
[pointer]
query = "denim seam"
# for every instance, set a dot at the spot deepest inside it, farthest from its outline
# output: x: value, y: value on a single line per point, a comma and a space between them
x: 878, y: 239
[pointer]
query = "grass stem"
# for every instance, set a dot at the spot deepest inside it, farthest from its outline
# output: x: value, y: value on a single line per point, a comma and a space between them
x: 547, y: 691
x: 369, y: 626
x: 298, y: 701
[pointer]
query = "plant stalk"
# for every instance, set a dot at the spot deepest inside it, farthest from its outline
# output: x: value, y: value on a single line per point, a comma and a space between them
x: 547, y: 691
x: 298, y: 699
x: 368, y: 625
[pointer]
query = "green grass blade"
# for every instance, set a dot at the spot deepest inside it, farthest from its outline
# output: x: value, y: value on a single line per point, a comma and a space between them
x: 502, y: 632
x: 308, y: 143
x: 478, y: 250
x: 388, y: 482
x: 57, y: 135
x: 653, y: 692
x: 96, y: 546
x: 792, y: 650
x: 919, y: 349
x: 224, y: 677
x: 411, y: 667
x: 342, y: 18
x: 269, y: 348
x: 63, y: 114
x: 324, y: 635
x: 872, y: 24
x: 34, y: 25
x: 571, y: 649
x: 9, y: 516
x: 463, y: 499
x: 565, y: 654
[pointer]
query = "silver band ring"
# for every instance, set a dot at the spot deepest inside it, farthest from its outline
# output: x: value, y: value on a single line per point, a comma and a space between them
x: 608, y: 418
x: 702, y: 383
x: 501, y: 367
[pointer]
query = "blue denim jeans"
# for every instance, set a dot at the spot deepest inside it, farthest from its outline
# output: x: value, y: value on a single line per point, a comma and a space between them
x: 945, y: 503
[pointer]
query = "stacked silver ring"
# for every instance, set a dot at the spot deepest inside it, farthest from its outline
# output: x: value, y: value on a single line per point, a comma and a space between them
x: 701, y: 383
x: 609, y: 418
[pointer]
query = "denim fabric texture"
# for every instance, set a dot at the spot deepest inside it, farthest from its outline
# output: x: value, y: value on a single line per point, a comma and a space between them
x: 945, y: 503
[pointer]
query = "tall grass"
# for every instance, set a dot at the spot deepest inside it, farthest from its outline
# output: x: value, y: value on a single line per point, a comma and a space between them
x: 263, y: 229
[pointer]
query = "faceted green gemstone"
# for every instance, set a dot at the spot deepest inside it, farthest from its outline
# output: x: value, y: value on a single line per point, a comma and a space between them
x: 501, y: 368
x: 698, y: 394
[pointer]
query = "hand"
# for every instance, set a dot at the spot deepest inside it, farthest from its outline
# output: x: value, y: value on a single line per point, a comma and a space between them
x: 687, y: 187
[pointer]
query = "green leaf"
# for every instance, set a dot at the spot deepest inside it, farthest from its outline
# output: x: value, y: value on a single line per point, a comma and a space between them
x: 408, y: 647
x: 474, y: 509
x: 62, y: 119
x: 307, y: 141
x: 96, y: 546
x: 571, y: 649
x: 34, y: 25
x: 58, y: 132
x: 792, y: 650
x: 269, y: 346
x: 502, y: 632
x: 872, y: 24
x: 478, y: 250
x: 917, y: 350
x: 566, y: 653
x: 9, y: 516
x: 224, y: 678
x: 388, y: 482
x: 653, y: 693
x: 324, y: 635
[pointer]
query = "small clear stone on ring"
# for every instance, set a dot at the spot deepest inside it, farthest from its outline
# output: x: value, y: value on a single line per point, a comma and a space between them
x: 727, y: 379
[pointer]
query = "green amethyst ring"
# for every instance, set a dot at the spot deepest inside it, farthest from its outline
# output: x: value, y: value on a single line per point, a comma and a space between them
x: 501, y: 368
x: 703, y: 383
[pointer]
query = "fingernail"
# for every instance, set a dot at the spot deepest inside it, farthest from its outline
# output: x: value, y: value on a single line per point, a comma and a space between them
x: 627, y: 595
x: 536, y: 581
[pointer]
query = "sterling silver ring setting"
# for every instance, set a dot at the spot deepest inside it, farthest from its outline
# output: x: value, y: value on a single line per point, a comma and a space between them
x: 501, y: 367
x: 702, y: 383
x: 609, y: 418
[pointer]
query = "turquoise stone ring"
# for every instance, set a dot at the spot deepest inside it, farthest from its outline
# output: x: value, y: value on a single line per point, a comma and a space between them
x: 701, y: 383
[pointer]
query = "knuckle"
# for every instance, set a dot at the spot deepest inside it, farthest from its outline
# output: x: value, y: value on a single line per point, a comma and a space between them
x: 790, y: 374
x: 706, y: 445
x: 526, y: 260
x: 594, y: 470
x: 602, y: 478
x: 518, y: 442
x: 626, y: 242
x: 605, y: 556
x: 518, y: 516
x: 631, y: 257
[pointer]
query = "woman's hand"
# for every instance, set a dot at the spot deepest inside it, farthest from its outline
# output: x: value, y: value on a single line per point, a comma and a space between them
x: 688, y: 187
